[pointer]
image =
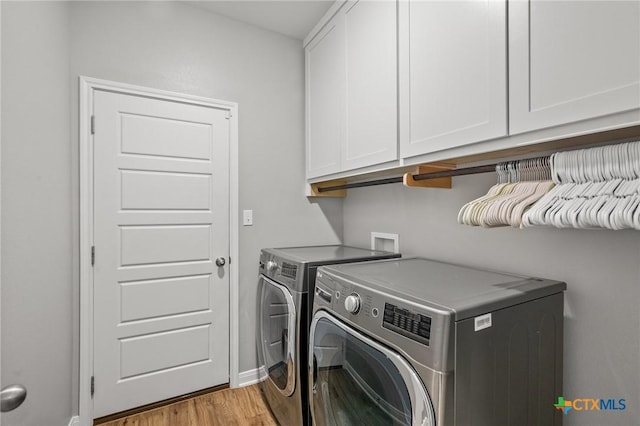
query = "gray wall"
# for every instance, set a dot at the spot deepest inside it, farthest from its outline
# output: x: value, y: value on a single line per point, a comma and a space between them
x: 37, y: 277
x: 165, y: 45
x: 601, y: 268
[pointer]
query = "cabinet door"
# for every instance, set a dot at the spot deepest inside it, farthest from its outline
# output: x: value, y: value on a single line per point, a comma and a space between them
x: 325, y: 94
x: 371, y: 86
x: 571, y: 61
x: 453, y: 84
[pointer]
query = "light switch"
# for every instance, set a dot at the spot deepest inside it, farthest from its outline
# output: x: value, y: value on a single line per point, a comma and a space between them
x: 247, y: 217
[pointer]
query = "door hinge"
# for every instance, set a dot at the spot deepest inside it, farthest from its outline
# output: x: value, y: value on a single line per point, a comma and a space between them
x: 93, y: 124
x: 93, y: 255
x: 228, y: 117
x: 93, y: 386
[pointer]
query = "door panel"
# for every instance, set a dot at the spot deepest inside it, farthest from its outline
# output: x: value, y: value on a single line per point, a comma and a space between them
x: 146, y: 135
x: 161, y: 312
x: 144, y: 245
x: 171, y: 296
x: 145, y: 354
x: 165, y: 191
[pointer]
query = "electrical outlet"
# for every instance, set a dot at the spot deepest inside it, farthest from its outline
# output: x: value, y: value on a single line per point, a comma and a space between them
x: 247, y: 217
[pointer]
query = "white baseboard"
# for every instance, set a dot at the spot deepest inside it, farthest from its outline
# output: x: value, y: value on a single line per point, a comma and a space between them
x: 251, y: 377
x: 75, y: 421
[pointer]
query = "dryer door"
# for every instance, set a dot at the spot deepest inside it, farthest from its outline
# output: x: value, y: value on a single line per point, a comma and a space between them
x: 277, y: 314
x: 355, y: 381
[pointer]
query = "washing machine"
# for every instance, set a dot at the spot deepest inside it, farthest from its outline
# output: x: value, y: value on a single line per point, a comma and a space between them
x: 285, y: 277
x: 424, y: 343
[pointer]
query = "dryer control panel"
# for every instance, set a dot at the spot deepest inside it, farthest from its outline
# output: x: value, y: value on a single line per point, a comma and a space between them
x: 287, y: 273
x: 410, y: 324
x: 418, y: 330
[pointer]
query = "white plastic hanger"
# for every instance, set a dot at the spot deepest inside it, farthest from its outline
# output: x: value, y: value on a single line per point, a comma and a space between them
x: 597, y: 187
x: 520, y: 184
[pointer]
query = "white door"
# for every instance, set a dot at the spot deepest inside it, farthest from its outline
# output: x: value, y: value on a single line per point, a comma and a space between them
x: 571, y: 61
x: 161, y: 218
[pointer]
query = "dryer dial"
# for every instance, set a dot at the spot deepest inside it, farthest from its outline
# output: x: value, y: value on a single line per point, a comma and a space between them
x: 352, y: 303
x: 272, y: 266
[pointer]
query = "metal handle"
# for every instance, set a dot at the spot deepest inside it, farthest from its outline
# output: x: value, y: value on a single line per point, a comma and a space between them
x: 284, y: 343
x: 324, y: 295
x: 220, y: 262
x: 314, y: 374
x: 11, y: 397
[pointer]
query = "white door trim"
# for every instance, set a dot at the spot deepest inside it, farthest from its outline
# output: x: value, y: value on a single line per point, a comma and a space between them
x: 87, y: 87
x: 0, y: 200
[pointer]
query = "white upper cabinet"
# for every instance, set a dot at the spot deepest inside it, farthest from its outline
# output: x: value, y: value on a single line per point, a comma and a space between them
x: 571, y: 61
x: 371, y: 75
x: 453, y: 74
x: 325, y: 94
x: 351, y: 89
x: 391, y: 83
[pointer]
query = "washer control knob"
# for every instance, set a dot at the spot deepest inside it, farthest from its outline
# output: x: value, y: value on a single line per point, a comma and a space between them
x: 271, y: 266
x: 352, y: 303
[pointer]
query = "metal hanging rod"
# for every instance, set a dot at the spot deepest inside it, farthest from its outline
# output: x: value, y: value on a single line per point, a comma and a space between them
x: 423, y: 176
x: 361, y: 184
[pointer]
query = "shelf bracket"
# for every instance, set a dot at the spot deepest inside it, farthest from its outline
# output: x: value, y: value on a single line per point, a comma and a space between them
x: 442, y: 182
x: 339, y: 193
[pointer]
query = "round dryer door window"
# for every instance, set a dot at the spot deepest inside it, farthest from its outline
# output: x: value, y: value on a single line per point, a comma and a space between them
x: 356, y: 381
x: 277, y: 334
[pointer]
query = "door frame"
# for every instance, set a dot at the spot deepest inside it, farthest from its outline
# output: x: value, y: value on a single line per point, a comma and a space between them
x: 87, y: 88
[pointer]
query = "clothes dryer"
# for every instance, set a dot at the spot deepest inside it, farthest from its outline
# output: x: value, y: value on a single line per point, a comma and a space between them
x: 424, y: 343
x: 285, y: 277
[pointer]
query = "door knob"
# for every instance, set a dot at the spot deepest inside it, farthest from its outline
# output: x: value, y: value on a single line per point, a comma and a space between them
x: 220, y: 262
x: 11, y: 397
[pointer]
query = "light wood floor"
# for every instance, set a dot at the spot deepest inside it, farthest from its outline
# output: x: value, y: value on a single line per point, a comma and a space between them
x: 227, y: 407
